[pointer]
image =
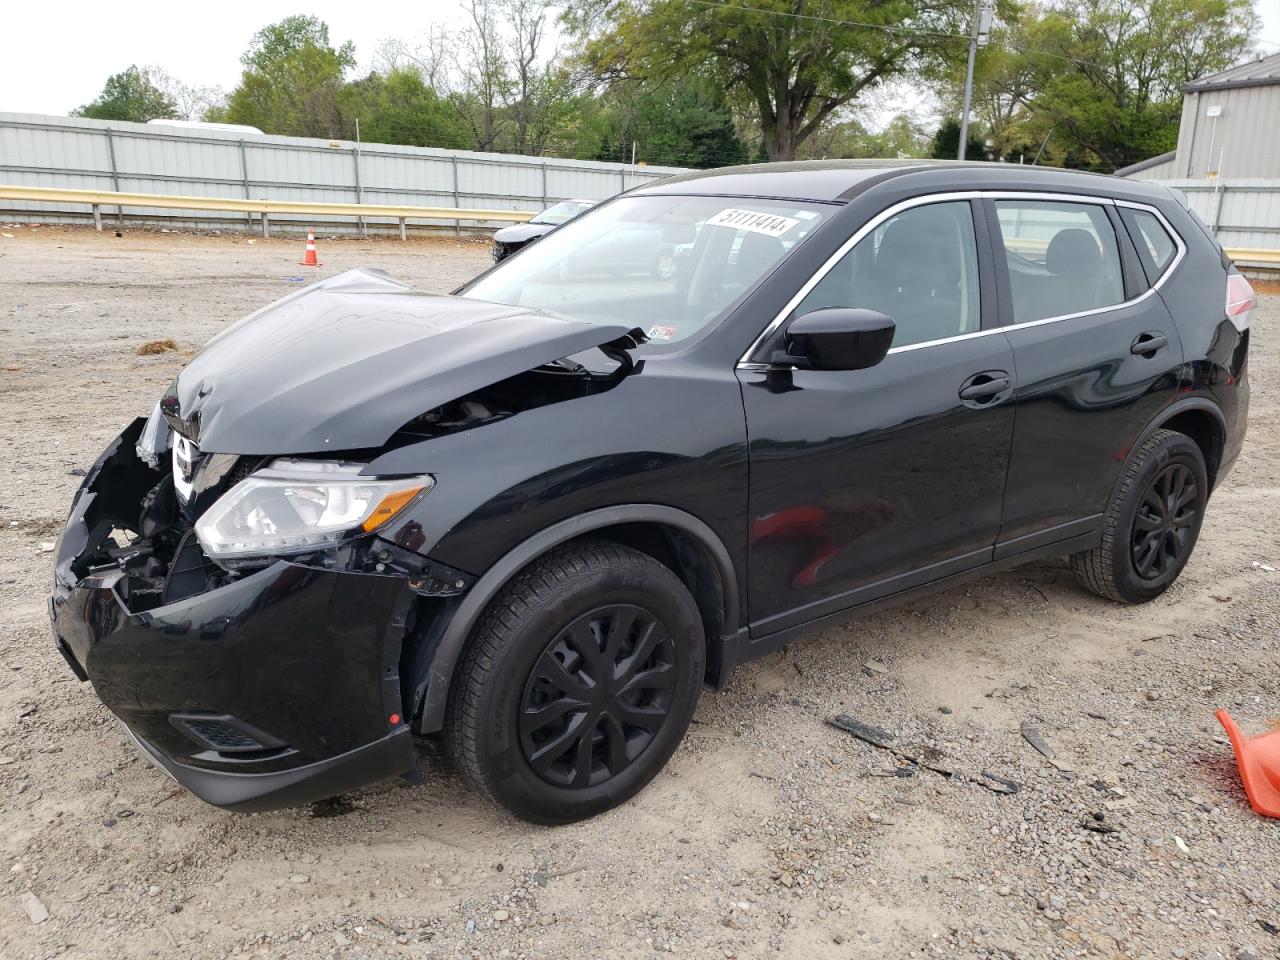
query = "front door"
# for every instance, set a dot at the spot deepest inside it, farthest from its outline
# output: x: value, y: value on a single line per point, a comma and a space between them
x: 867, y: 482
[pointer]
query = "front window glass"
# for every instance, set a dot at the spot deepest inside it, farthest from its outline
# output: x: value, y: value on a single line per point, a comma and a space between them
x: 920, y: 268
x: 1062, y: 257
x: 561, y: 212
x: 668, y: 265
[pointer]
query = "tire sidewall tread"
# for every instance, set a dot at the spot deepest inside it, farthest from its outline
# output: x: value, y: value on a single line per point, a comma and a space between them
x: 510, y: 635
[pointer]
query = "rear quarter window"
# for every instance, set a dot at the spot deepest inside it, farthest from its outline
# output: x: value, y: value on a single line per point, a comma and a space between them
x: 1156, y: 248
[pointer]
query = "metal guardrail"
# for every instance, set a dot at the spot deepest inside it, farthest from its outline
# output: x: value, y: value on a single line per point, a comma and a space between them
x: 1254, y: 255
x: 96, y: 199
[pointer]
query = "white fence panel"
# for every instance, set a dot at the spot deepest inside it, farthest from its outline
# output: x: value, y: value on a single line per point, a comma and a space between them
x: 73, y: 152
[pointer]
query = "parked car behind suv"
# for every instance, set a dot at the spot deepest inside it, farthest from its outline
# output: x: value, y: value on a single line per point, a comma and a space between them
x: 539, y: 516
x: 511, y: 239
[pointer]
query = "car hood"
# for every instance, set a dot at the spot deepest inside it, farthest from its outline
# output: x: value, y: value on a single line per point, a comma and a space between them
x: 522, y: 232
x: 345, y: 363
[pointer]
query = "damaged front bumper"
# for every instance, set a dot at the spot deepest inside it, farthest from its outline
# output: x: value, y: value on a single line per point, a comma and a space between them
x: 271, y: 688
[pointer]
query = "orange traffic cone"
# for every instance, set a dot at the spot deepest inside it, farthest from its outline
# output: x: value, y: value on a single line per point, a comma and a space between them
x: 1259, y: 761
x: 310, y: 259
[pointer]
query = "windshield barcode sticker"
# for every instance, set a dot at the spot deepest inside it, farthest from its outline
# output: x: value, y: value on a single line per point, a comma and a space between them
x: 767, y: 223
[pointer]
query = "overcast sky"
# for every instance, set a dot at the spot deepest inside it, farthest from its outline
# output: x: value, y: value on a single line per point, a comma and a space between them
x: 60, y: 51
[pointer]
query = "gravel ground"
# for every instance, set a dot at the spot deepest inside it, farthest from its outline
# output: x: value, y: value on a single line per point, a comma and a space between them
x: 770, y: 833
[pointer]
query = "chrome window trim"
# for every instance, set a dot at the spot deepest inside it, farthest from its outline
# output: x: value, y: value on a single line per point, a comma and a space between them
x: 745, y: 364
x: 1169, y: 229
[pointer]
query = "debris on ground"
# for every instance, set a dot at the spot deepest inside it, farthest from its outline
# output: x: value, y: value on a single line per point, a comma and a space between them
x: 36, y: 911
x: 1032, y: 735
x: 153, y: 347
x: 883, y: 740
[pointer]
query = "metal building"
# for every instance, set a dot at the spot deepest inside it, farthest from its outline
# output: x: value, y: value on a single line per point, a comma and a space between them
x: 1230, y: 128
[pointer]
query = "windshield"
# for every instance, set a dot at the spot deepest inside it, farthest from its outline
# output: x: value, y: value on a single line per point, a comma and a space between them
x: 668, y: 265
x: 560, y: 213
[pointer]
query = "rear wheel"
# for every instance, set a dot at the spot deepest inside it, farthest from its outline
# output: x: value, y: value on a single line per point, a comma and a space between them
x: 578, y: 683
x: 1152, y: 523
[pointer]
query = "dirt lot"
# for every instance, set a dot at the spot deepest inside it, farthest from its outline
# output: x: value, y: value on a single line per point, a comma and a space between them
x: 769, y: 834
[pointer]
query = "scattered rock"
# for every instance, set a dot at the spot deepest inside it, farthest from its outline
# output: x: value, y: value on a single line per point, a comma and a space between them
x: 36, y: 911
x: 299, y: 878
x: 502, y: 916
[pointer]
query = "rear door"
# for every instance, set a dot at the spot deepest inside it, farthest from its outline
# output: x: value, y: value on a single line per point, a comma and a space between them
x: 1096, y: 352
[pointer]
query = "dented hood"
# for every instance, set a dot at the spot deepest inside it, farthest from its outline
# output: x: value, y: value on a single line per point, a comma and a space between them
x: 344, y: 363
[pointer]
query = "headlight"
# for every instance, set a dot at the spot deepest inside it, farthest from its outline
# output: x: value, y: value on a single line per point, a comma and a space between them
x: 294, y: 506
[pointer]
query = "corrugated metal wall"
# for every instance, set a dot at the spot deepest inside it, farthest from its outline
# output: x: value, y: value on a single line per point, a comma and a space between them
x: 1244, y: 139
x: 1243, y: 213
x: 144, y: 158
x: 1158, y: 171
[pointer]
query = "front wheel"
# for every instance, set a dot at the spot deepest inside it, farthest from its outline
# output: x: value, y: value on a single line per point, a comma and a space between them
x: 578, y: 683
x: 1152, y: 523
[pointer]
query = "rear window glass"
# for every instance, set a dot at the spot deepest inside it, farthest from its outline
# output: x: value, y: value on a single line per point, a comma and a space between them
x: 1156, y: 241
x: 1063, y: 258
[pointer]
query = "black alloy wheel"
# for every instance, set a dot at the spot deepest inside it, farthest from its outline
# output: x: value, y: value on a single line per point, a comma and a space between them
x: 578, y: 682
x: 597, y: 696
x: 1150, y: 526
x: 1164, y: 523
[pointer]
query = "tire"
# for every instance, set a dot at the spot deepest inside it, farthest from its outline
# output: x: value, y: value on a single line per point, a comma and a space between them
x: 1151, y: 525
x: 664, y: 267
x: 524, y: 725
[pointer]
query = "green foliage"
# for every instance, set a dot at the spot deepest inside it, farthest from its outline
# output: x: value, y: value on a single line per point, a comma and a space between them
x: 400, y: 108
x: 273, y: 45
x: 1102, y: 80
x: 796, y: 62
x: 680, y: 123
x: 946, y: 142
x: 902, y: 137
x: 131, y: 95
x: 292, y: 80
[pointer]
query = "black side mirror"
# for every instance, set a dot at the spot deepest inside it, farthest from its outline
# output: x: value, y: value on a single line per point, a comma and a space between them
x: 837, y: 338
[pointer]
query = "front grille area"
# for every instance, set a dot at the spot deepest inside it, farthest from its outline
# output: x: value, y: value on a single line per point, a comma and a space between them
x: 223, y: 733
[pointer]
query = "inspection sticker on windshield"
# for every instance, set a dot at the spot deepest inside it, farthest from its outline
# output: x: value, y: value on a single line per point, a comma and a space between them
x: 661, y: 333
x: 770, y: 224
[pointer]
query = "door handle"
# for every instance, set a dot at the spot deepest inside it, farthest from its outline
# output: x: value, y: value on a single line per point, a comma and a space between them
x: 984, y: 387
x: 1148, y: 344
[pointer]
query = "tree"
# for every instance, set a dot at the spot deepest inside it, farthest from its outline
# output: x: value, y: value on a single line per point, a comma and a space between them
x: 796, y: 61
x: 132, y: 95
x: 946, y: 142
x: 684, y: 123
x: 486, y: 81
x: 1101, y: 80
x: 399, y: 107
x: 292, y: 80
x: 902, y: 137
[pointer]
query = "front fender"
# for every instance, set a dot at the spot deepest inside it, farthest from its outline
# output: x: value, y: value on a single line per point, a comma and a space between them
x: 433, y: 688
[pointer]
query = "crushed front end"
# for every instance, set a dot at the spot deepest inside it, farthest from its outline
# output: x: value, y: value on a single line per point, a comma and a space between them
x: 256, y: 683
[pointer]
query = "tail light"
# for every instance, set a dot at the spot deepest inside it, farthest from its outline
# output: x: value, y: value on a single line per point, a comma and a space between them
x: 1240, y: 301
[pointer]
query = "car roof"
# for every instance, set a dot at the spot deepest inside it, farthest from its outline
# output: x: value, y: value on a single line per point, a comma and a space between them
x: 828, y: 181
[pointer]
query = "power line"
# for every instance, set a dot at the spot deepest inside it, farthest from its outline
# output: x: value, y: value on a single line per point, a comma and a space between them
x: 905, y: 31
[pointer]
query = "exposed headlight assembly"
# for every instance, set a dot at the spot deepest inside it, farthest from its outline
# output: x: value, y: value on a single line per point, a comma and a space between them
x: 297, y: 506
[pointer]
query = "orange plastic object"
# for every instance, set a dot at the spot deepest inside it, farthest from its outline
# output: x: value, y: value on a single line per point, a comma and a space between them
x: 309, y: 256
x: 1259, y: 761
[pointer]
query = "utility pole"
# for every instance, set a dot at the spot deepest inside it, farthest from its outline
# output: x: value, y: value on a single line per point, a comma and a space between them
x: 978, y: 34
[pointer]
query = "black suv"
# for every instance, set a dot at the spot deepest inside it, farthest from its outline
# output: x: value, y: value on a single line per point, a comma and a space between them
x: 538, y: 516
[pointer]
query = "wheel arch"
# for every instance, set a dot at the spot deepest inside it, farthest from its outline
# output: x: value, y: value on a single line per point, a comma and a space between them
x: 1200, y: 419
x: 674, y: 537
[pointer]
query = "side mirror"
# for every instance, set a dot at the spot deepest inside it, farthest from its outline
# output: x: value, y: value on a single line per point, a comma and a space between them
x: 838, y: 338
